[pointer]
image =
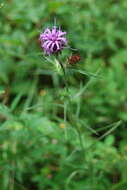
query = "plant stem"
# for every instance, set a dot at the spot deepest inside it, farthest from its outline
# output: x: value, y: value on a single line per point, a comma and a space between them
x: 64, y: 72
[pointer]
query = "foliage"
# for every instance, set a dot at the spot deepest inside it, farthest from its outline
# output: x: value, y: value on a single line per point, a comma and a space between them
x: 51, y: 139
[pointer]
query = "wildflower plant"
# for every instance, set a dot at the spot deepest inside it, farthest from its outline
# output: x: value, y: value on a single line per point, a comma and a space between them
x: 53, y: 41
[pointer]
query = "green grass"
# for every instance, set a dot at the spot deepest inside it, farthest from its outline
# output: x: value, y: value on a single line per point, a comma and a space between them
x: 51, y: 138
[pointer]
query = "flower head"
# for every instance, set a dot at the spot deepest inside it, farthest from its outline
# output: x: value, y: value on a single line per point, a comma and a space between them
x: 53, y: 41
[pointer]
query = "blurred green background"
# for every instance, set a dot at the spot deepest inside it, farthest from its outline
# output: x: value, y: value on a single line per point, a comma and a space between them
x: 48, y: 142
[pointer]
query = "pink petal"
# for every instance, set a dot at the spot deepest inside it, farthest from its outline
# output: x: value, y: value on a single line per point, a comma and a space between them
x: 54, y: 31
x: 58, y: 47
x: 62, y: 39
x: 47, y: 31
x: 45, y: 44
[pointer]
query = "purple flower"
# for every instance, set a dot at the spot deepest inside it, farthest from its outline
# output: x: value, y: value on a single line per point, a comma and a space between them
x: 53, y: 41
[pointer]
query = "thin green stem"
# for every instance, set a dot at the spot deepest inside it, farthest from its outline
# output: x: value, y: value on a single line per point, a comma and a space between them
x: 64, y: 72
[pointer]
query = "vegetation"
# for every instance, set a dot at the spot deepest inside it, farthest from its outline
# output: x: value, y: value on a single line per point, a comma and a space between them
x: 51, y: 138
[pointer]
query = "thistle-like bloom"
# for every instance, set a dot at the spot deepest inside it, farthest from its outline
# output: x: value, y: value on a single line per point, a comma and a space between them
x: 53, y: 41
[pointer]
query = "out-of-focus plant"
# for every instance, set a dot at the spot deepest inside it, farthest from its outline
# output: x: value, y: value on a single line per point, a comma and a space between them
x: 49, y: 140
